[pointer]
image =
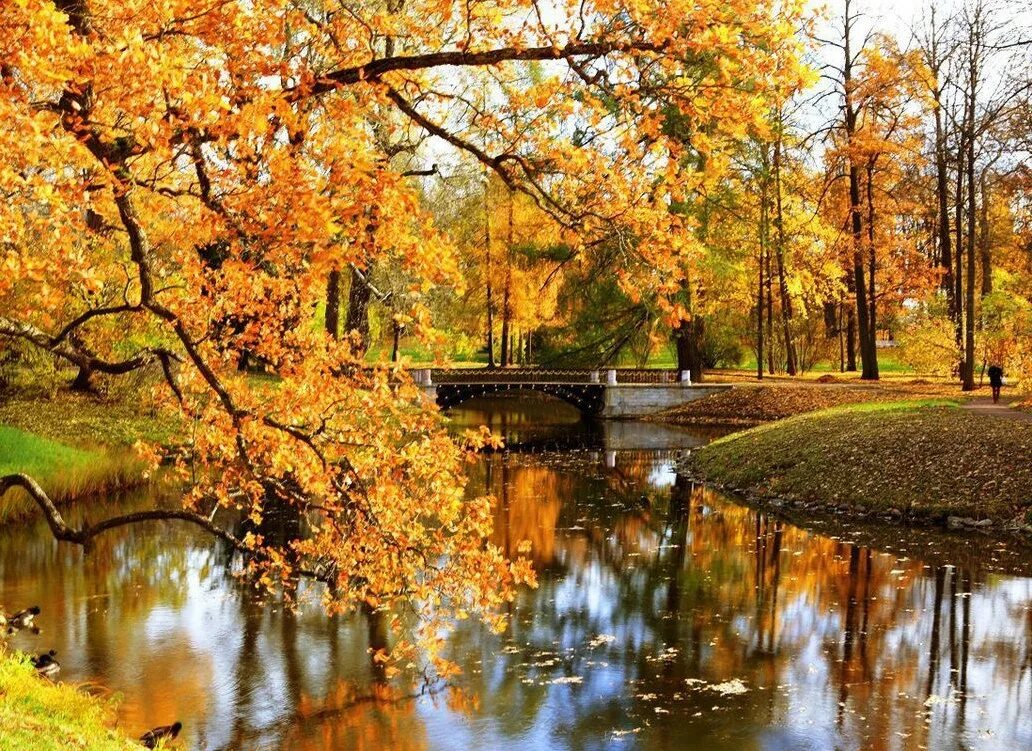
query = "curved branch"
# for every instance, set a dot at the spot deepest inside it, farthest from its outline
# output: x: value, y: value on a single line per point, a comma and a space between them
x: 375, y: 69
x: 84, y: 535
x: 65, y: 349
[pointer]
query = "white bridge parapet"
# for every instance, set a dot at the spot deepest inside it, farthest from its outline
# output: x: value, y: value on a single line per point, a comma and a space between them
x: 626, y: 400
x: 598, y: 394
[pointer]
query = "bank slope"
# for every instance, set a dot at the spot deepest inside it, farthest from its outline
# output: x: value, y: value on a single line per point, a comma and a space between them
x: 38, y: 715
x: 923, y: 462
x: 66, y: 472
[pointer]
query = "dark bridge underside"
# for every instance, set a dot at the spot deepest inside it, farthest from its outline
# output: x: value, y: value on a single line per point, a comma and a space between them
x: 589, y: 398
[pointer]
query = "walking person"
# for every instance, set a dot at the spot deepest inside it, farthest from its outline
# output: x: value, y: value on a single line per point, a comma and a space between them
x: 995, y: 381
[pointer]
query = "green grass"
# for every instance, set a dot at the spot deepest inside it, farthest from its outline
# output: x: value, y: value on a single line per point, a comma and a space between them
x: 65, y: 472
x: 927, y: 459
x: 37, y: 715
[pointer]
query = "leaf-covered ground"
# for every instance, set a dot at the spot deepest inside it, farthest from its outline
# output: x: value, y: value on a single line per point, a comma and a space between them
x: 752, y: 404
x: 919, y: 461
x: 38, y: 715
x: 86, y: 421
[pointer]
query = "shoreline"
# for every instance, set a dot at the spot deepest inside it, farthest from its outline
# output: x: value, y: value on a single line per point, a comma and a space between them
x: 929, y: 465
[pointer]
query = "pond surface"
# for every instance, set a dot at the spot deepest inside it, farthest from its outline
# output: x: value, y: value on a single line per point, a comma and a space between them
x: 667, y: 617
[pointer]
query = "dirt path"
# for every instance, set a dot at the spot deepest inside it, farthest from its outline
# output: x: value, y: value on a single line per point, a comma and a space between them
x: 984, y: 405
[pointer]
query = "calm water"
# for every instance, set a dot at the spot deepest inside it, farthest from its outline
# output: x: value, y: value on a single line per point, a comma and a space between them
x: 668, y: 617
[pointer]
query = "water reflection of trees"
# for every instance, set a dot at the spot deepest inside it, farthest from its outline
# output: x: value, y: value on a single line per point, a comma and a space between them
x: 865, y: 643
x: 839, y: 644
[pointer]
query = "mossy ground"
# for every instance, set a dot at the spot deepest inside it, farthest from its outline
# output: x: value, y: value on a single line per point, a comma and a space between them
x: 927, y: 460
x: 38, y: 715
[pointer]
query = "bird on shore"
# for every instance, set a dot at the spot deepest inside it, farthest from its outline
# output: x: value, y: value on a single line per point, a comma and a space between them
x: 151, y: 738
x: 23, y: 619
x: 46, y: 665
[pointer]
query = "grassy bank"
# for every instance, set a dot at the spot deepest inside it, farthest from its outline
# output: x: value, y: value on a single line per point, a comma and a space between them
x: 75, y: 446
x: 37, y: 715
x: 916, y: 461
x: 754, y: 404
x: 65, y: 472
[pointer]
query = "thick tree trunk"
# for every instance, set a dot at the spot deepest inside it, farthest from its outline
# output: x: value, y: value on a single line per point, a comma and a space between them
x: 689, y: 337
x: 333, y: 304
x: 872, y: 255
x: 944, y: 251
x: 868, y: 348
x: 764, y: 243
x: 83, y: 381
x: 855, y: 276
x: 357, y: 322
x: 868, y: 352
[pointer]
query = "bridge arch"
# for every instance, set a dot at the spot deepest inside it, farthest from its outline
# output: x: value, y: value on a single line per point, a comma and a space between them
x: 588, y: 398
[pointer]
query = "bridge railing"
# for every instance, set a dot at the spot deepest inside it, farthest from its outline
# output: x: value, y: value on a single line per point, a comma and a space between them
x: 554, y: 375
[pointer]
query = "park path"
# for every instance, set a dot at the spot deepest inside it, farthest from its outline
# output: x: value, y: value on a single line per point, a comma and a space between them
x: 984, y: 405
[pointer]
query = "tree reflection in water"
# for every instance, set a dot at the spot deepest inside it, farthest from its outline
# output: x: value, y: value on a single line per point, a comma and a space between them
x: 653, y: 590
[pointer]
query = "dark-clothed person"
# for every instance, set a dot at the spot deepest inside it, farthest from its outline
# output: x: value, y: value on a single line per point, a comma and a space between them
x: 996, y: 381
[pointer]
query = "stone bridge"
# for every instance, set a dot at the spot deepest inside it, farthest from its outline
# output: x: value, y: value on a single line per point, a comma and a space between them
x: 614, y: 393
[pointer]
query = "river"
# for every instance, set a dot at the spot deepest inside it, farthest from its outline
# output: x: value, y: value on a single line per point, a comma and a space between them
x: 667, y: 617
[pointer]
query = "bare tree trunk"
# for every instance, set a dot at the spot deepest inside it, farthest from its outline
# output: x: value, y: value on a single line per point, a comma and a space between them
x: 944, y: 257
x: 868, y: 350
x: 396, y: 344
x: 83, y: 381
x: 985, y: 239
x: 333, y: 304
x: 689, y: 337
x: 507, y: 292
x: 357, y: 322
x: 770, y: 313
x: 872, y: 253
x: 786, y: 302
x: 969, y: 320
x: 958, y: 276
x: 487, y: 275
x: 759, y: 284
x: 868, y: 353
x: 974, y: 59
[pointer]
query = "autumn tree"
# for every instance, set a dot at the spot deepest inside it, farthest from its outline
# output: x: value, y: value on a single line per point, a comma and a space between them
x: 181, y: 179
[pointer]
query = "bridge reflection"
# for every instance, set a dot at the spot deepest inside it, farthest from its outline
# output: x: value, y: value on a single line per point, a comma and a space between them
x: 541, y: 425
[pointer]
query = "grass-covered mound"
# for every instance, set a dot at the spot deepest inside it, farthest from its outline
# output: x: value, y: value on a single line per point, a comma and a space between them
x: 65, y: 472
x: 922, y: 461
x: 753, y: 404
x: 37, y: 715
